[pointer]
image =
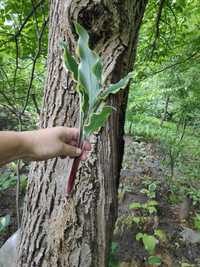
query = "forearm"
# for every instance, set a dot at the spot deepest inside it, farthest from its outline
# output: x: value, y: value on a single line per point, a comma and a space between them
x: 11, y: 146
x: 40, y: 144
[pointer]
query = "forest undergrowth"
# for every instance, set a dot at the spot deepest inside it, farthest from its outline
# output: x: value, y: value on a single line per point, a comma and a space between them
x: 158, y: 217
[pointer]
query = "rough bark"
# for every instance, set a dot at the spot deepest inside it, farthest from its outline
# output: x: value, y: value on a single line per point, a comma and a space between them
x: 76, y: 231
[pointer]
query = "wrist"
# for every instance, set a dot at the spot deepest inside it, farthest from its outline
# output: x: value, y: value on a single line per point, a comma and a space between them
x: 24, y: 142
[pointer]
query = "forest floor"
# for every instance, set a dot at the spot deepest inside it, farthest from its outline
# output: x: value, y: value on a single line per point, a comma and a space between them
x: 7, y: 206
x: 8, y: 199
x: 146, y: 212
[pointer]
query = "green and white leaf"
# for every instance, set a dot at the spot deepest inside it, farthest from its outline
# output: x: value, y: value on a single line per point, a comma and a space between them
x: 97, y: 70
x: 115, y: 88
x: 88, y: 74
x: 89, y: 70
x: 69, y: 62
x: 97, y: 120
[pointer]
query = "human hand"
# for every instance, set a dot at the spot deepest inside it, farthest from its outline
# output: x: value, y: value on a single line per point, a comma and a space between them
x: 52, y: 142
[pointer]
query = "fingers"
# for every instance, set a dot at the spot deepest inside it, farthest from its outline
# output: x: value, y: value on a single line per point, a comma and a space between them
x: 87, y: 146
x: 70, y: 135
x: 71, y: 151
x: 70, y: 138
x: 86, y: 149
x: 84, y: 155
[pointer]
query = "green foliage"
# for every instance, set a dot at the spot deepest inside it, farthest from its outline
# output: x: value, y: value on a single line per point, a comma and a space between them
x: 154, y: 260
x: 23, y: 46
x: 193, y: 193
x: 135, y: 205
x: 151, y: 188
x: 112, y: 260
x: 185, y: 264
x: 127, y: 222
x: 7, y: 180
x: 149, y: 242
x: 96, y: 120
x: 160, y: 234
x: 92, y: 92
x: 197, y: 222
x: 163, y: 105
x: 149, y: 206
x: 69, y: 62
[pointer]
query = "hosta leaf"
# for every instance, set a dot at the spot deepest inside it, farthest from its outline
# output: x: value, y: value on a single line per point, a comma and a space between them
x: 89, y: 68
x: 152, y: 210
x: 136, y: 220
x: 152, y: 203
x: 149, y: 242
x: 114, y: 88
x: 83, y: 98
x: 154, y: 260
x: 135, y: 205
x: 97, y: 120
x: 97, y: 70
x: 69, y: 62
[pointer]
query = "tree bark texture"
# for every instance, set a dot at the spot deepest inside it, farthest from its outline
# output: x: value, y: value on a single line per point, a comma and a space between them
x: 76, y: 230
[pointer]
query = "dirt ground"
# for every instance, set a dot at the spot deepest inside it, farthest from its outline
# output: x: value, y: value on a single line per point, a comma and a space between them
x: 181, y: 244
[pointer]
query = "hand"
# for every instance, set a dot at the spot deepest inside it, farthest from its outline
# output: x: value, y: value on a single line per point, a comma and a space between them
x: 52, y: 142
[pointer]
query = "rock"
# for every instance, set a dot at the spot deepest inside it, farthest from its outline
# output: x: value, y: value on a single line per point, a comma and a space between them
x: 190, y: 236
x: 184, y: 209
x: 180, y: 212
x: 8, y: 252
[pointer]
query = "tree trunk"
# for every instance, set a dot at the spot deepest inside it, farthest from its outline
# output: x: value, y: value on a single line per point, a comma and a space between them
x: 76, y: 231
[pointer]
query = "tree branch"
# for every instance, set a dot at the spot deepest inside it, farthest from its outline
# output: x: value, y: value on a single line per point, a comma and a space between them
x: 193, y: 55
x: 173, y: 13
x: 16, y: 65
x: 35, y: 103
x: 34, y: 64
x: 157, y: 33
x: 35, y: 20
x: 31, y: 13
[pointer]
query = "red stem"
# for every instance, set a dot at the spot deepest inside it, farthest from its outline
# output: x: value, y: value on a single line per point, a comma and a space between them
x: 73, y: 172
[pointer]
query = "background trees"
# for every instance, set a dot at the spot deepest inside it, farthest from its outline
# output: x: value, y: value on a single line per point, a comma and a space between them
x: 23, y: 45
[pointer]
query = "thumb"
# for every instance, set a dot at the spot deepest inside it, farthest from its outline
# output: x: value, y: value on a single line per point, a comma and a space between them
x: 71, y: 151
